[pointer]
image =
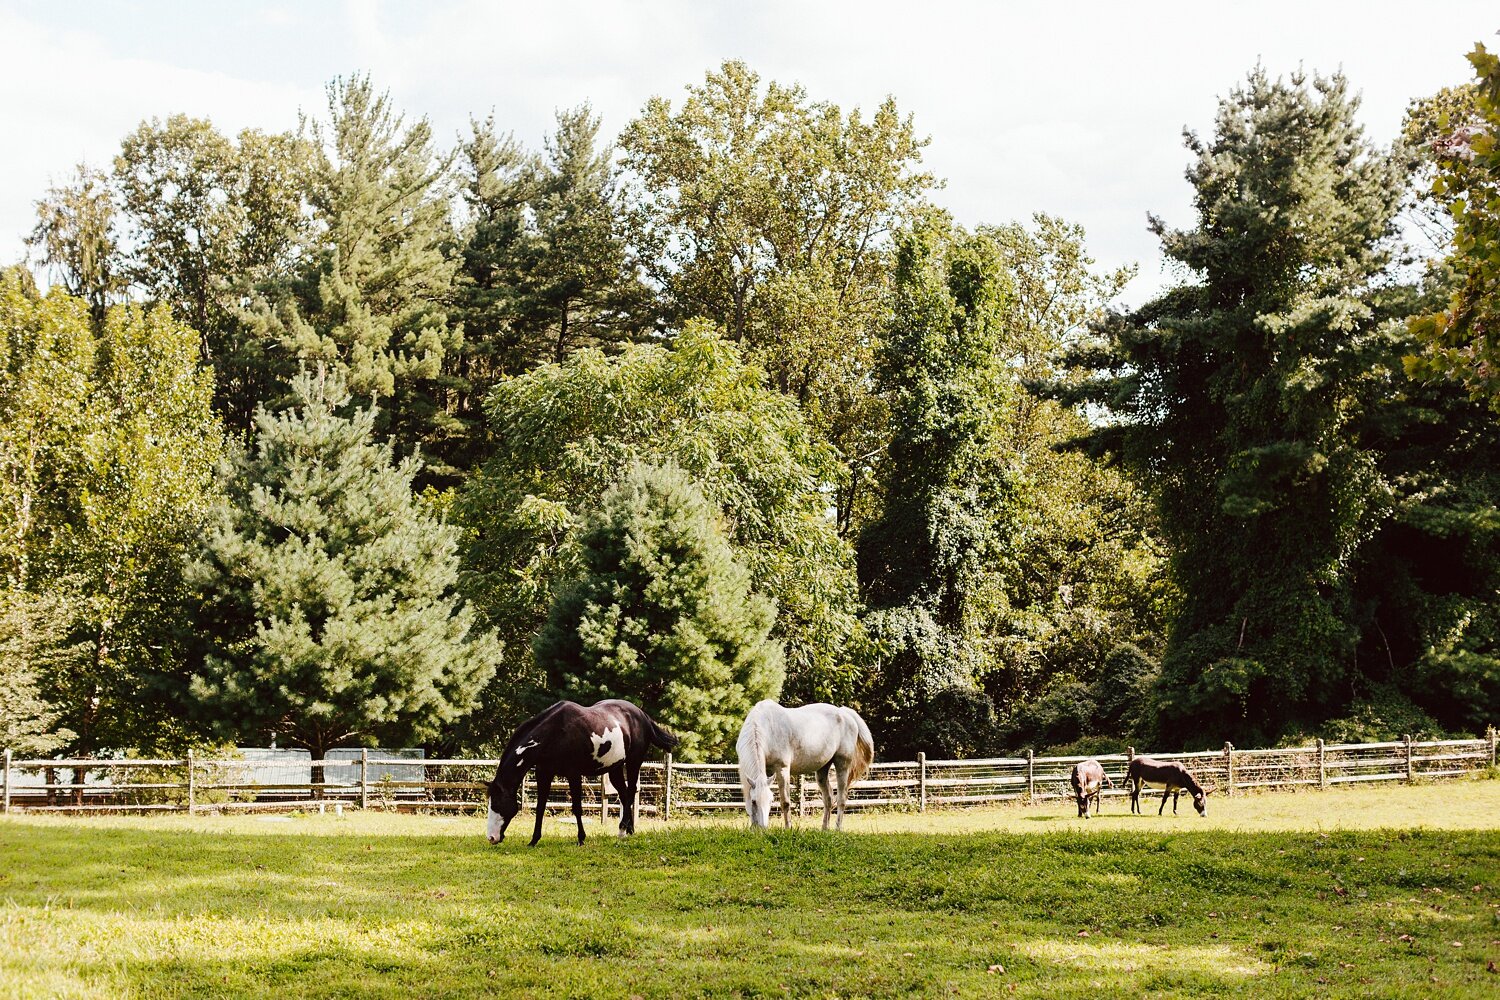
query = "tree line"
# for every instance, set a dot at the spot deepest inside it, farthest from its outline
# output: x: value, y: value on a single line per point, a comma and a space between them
x: 342, y: 436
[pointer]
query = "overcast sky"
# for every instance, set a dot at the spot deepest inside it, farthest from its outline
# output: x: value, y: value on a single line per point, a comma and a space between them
x: 1075, y: 109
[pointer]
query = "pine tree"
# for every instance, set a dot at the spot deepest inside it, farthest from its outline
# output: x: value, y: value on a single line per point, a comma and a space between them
x: 1233, y: 398
x: 327, y: 593
x: 662, y: 614
x: 373, y: 299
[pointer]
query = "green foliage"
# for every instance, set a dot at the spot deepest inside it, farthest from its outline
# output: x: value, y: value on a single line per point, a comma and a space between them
x: 107, y: 450
x: 33, y: 640
x: 328, y: 613
x: 1233, y: 399
x: 77, y: 241
x: 771, y: 215
x: 371, y: 296
x: 1459, y: 342
x: 923, y: 563
x: 543, y: 269
x: 213, y: 220
x: 662, y: 614
x: 564, y: 433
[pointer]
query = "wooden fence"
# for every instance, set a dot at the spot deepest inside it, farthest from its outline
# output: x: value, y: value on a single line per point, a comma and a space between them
x: 369, y: 780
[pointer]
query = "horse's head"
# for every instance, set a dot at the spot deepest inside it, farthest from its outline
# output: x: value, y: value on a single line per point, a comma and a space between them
x: 504, y: 804
x: 758, y: 801
x: 1082, y: 796
x: 1200, y: 802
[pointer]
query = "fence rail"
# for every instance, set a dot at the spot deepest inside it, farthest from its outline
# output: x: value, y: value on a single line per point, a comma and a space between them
x: 381, y: 779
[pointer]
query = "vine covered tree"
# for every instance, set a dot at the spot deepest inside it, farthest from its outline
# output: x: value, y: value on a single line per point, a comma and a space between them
x: 662, y: 613
x: 924, y: 561
x: 327, y: 606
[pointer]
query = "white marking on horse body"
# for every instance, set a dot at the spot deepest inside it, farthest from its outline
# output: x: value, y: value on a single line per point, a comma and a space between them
x: 494, y: 827
x: 609, y: 746
x: 521, y: 750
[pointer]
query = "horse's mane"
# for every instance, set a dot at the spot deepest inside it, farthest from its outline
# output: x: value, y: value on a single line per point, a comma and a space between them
x: 751, y: 747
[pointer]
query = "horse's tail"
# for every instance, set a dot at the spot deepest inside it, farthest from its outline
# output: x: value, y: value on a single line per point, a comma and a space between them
x: 664, y: 738
x: 864, y: 750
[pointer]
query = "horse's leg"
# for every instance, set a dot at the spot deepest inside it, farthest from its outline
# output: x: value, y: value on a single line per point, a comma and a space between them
x: 827, y: 795
x: 543, y: 786
x: 1175, y: 793
x: 841, y: 772
x: 575, y: 787
x: 1135, y: 796
x: 634, y: 773
x: 622, y: 786
x: 1164, y: 794
x: 783, y: 782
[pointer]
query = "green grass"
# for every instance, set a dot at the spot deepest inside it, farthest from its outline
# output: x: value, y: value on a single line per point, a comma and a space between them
x: 1386, y: 892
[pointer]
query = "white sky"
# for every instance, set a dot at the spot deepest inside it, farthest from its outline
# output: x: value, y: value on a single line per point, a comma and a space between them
x: 1072, y: 108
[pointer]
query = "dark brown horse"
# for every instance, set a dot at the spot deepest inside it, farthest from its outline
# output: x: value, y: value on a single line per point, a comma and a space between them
x: 1088, y: 778
x: 1171, y: 777
x: 574, y: 742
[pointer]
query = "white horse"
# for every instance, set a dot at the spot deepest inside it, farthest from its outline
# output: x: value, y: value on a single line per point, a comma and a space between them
x: 786, y: 741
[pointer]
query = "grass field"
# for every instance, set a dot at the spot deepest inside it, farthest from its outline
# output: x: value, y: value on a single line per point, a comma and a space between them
x: 1388, y: 892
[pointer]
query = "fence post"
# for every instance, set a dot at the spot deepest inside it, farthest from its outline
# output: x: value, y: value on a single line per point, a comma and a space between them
x: 1407, y: 738
x: 1030, y: 774
x: 5, y: 802
x: 364, y: 778
x: 603, y: 799
x: 1229, y: 765
x: 192, y: 784
x: 666, y: 787
x: 921, y: 777
x: 1492, y: 746
x: 1322, y: 765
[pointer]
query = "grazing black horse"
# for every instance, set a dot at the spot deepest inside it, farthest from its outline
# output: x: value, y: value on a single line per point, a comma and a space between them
x: 1088, y: 778
x: 570, y: 741
x: 1169, y: 776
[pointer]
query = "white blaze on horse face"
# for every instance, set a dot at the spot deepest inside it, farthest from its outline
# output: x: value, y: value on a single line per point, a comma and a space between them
x: 494, y: 827
x: 609, y: 746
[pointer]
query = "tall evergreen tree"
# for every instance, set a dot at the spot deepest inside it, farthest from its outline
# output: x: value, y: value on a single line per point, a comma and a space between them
x: 373, y: 299
x: 544, y: 269
x: 328, y: 613
x: 663, y: 614
x: 1233, y: 398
